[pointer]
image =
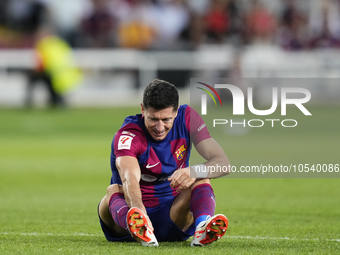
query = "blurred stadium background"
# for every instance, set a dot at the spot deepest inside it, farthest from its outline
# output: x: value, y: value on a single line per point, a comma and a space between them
x: 54, y: 164
x: 121, y: 45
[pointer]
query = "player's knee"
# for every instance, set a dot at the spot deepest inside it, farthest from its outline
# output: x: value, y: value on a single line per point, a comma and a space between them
x: 199, y: 182
x: 112, y: 189
x: 202, y: 181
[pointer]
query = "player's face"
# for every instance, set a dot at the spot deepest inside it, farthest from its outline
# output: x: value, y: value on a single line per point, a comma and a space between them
x: 159, y: 122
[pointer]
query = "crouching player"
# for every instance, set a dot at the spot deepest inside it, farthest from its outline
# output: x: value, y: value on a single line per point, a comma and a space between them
x: 152, y: 196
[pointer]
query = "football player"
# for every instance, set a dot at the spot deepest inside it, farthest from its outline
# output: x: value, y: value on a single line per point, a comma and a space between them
x: 152, y: 196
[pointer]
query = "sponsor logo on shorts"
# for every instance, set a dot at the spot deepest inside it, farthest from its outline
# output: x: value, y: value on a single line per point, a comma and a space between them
x: 148, y: 178
x: 151, y: 178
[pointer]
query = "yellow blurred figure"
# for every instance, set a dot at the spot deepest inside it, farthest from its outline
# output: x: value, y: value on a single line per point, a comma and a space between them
x: 55, y: 58
x: 136, y: 35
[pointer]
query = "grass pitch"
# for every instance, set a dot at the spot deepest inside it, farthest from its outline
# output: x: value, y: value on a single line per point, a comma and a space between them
x: 54, y: 169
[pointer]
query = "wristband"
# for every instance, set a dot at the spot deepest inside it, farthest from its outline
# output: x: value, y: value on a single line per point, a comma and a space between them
x: 199, y: 171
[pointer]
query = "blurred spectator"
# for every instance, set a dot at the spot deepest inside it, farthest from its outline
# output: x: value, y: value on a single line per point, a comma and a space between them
x: 26, y: 15
x: 260, y: 24
x: 223, y: 21
x: 196, y: 29
x: 173, y: 24
x: 3, y: 7
x: 138, y: 27
x: 292, y: 35
x: 98, y: 27
x: 171, y: 17
x: 21, y: 18
x: 55, y: 68
x: 67, y: 17
x: 324, y: 24
x: 235, y: 16
x: 217, y: 20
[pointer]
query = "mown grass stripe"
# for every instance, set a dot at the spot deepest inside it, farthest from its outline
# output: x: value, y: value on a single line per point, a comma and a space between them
x: 232, y: 237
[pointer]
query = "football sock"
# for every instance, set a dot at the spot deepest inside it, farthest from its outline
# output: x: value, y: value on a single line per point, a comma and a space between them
x: 118, y: 209
x: 202, y: 204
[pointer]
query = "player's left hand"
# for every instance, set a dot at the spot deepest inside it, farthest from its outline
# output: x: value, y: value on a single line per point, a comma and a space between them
x: 181, y: 180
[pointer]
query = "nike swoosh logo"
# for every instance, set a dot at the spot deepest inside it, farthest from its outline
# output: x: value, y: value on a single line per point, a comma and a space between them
x: 150, y: 166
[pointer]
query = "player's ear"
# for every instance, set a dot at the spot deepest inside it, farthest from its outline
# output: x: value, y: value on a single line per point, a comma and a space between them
x: 142, y: 108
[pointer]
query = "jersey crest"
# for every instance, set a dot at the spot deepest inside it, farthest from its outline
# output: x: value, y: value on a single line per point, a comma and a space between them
x: 180, y: 152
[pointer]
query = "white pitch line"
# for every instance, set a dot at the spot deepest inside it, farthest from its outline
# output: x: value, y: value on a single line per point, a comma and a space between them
x: 283, y: 238
x: 232, y: 237
x: 47, y: 234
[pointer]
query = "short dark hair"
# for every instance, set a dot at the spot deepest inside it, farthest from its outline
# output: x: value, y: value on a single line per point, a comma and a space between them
x: 160, y: 94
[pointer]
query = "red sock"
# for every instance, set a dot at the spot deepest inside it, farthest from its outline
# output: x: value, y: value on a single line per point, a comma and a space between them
x: 118, y: 209
x: 202, y: 202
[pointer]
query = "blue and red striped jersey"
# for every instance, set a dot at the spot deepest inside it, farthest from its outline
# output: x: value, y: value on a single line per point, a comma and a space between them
x: 158, y: 159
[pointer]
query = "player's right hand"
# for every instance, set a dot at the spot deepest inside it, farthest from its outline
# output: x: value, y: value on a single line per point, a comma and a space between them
x: 181, y: 180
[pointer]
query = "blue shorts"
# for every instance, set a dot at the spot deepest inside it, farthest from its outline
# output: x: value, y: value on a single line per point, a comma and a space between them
x: 165, y: 229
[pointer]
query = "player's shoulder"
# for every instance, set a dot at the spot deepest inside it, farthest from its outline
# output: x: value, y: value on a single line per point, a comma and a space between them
x: 132, y: 127
x: 185, y: 112
x: 130, y: 136
x: 132, y: 119
x: 182, y: 110
x: 183, y: 107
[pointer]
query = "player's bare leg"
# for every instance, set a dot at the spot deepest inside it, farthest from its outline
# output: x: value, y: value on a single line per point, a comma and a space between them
x: 105, y: 214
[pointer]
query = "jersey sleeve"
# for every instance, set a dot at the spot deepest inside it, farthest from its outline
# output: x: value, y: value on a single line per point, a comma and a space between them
x: 128, y: 141
x: 197, y: 129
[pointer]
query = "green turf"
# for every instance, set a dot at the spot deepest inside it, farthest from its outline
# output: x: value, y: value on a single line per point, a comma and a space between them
x: 54, y: 169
